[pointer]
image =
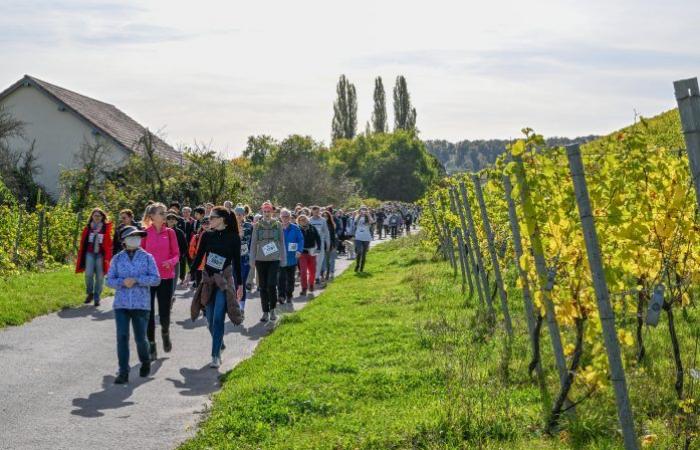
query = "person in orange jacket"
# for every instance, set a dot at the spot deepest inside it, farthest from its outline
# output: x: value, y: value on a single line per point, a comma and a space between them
x: 95, y: 254
x: 194, y: 246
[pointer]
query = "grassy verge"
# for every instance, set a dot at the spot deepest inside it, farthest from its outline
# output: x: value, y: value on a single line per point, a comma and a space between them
x: 399, y: 358
x: 25, y: 296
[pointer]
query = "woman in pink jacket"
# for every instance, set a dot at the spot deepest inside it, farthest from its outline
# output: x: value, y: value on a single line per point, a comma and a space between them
x: 161, y: 242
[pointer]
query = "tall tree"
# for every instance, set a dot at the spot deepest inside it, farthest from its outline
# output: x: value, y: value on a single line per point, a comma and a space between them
x: 404, y: 113
x: 344, y: 111
x: 379, y: 122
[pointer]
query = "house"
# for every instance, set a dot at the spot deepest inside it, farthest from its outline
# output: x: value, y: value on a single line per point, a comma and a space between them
x: 59, y: 122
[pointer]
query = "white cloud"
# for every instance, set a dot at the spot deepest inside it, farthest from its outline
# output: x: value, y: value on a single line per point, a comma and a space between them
x: 226, y: 70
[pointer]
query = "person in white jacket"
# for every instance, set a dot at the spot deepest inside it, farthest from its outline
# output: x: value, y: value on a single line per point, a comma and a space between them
x: 363, y: 236
x: 322, y: 227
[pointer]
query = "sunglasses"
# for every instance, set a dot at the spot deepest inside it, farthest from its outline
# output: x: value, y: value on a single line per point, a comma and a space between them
x: 214, y: 217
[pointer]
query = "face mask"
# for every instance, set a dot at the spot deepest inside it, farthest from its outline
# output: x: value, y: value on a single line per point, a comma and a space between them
x: 132, y: 242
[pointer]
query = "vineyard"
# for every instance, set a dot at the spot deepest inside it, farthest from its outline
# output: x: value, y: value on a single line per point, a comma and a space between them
x: 44, y: 237
x: 611, y: 346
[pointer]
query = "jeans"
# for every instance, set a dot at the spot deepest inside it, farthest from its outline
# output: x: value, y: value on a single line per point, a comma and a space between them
x: 139, y: 322
x: 94, y: 274
x: 380, y: 228
x: 307, y: 270
x: 285, y: 286
x: 329, y: 262
x: 245, y: 271
x: 319, y: 261
x: 361, y: 249
x: 216, y: 315
x: 267, y: 271
x: 164, y: 293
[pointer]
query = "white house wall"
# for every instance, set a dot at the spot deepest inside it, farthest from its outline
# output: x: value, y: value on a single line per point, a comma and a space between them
x: 58, y: 135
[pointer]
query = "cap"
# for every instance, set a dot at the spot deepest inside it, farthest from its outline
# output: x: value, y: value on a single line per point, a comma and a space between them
x: 131, y: 231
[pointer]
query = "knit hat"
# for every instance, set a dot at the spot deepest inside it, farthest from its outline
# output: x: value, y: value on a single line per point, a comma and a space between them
x: 239, y: 209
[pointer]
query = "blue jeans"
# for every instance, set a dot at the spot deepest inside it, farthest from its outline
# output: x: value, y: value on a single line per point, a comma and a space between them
x: 94, y: 274
x: 329, y: 261
x: 216, y: 315
x: 245, y: 271
x: 139, y: 322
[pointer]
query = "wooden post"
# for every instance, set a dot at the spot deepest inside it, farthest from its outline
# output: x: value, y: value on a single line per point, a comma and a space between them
x: 463, y: 241
x: 460, y: 244
x: 469, y: 251
x: 541, y: 266
x: 607, y: 316
x: 40, y: 237
x: 477, y: 251
x: 494, y: 256
x: 448, y: 236
x: 438, y: 229
x: 688, y: 98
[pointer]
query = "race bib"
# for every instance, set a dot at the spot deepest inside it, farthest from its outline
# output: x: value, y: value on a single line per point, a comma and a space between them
x: 244, y: 249
x: 292, y: 246
x: 215, y: 261
x: 269, y: 249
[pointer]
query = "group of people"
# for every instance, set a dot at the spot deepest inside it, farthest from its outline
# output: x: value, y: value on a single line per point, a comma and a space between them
x: 222, y: 251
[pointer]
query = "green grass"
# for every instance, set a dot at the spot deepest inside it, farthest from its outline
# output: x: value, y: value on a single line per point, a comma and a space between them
x: 26, y: 296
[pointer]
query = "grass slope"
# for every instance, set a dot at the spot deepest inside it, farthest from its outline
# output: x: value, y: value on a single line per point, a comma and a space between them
x: 25, y: 296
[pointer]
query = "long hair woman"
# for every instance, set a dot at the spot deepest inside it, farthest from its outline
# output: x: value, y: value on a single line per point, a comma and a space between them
x: 161, y: 242
x: 221, y: 246
x: 94, y: 254
x: 267, y: 253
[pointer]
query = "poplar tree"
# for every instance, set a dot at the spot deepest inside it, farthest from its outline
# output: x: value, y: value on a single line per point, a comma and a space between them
x: 344, y: 111
x: 379, y: 122
x: 404, y: 113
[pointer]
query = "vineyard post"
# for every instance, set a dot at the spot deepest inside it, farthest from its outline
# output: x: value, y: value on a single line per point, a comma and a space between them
x: 688, y: 98
x: 448, y: 236
x: 540, y: 265
x: 18, y: 234
x: 460, y: 245
x: 527, y: 296
x: 607, y: 316
x: 470, y: 251
x: 40, y: 236
x: 464, y: 243
x: 475, y: 243
x: 494, y: 256
x: 438, y: 229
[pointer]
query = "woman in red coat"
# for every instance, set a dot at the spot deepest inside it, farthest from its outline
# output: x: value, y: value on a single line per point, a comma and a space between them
x: 95, y: 254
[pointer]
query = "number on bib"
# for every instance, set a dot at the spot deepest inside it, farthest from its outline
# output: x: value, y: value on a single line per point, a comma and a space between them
x: 215, y: 261
x: 293, y: 246
x: 269, y: 249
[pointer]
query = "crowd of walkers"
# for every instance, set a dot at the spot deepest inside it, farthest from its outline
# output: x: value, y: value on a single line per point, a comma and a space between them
x: 223, y: 253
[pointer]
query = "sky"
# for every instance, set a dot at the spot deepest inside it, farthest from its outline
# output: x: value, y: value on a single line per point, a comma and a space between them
x: 217, y: 72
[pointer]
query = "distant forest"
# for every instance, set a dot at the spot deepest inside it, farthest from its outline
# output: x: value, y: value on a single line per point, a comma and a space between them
x: 472, y: 156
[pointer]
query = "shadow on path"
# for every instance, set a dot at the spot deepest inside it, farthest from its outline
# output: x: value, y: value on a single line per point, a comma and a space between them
x: 197, y: 382
x: 86, y: 311
x: 112, y: 396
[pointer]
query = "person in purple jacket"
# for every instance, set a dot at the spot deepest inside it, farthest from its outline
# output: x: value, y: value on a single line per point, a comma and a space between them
x: 132, y: 274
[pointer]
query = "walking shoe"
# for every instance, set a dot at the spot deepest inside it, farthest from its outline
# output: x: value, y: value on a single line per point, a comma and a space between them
x: 264, y: 317
x: 122, y: 378
x: 223, y: 346
x: 311, y: 288
x: 242, y: 314
x: 303, y: 292
x: 215, y: 362
x: 152, y: 351
x: 96, y: 298
x: 273, y: 315
x: 167, y: 345
x: 88, y: 299
x: 289, y: 299
x: 281, y: 300
x: 145, y: 369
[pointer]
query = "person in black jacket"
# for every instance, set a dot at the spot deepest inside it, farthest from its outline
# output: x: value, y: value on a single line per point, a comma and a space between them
x: 126, y: 219
x: 222, y: 247
x: 172, y: 221
x: 307, y: 261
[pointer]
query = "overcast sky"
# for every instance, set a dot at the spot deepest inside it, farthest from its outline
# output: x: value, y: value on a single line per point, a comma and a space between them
x: 221, y: 71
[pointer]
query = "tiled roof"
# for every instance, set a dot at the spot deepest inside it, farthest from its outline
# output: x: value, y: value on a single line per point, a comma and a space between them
x: 104, y: 117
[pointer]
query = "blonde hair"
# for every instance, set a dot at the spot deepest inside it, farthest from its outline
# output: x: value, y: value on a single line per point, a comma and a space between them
x: 150, y: 210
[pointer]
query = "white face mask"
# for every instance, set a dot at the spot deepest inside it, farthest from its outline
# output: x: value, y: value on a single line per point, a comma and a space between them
x: 132, y: 242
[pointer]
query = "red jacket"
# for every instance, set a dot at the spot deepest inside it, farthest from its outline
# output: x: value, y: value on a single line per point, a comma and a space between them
x: 106, y: 249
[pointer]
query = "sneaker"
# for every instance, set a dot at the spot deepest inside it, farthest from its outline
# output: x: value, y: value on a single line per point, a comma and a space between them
x: 289, y: 299
x: 223, y: 346
x: 311, y: 288
x: 303, y: 292
x: 264, y: 317
x: 88, y: 299
x: 167, y: 345
x: 281, y: 300
x: 122, y: 378
x: 97, y: 300
x: 215, y: 362
x: 273, y: 315
x: 242, y: 314
x: 152, y: 351
x: 145, y: 369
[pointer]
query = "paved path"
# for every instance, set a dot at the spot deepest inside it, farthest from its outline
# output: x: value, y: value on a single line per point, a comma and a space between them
x: 57, y: 374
